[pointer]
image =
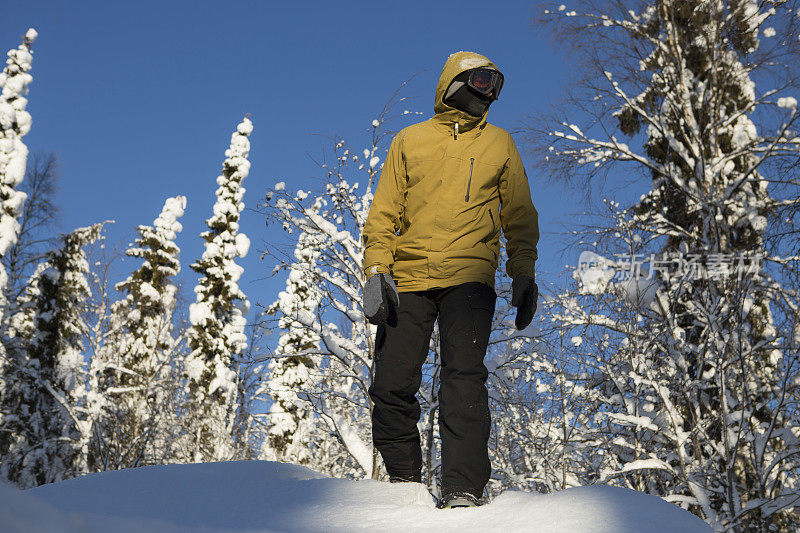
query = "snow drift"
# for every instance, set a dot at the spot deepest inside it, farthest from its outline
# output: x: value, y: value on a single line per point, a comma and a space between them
x: 266, y: 496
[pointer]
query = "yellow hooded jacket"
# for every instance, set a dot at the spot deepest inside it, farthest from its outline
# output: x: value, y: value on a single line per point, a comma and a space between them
x: 447, y: 187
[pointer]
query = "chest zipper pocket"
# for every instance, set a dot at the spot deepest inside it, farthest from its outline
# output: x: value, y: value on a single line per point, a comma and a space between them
x: 471, y: 164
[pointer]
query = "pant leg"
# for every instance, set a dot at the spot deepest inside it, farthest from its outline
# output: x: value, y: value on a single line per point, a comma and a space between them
x: 465, y: 318
x: 400, y: 352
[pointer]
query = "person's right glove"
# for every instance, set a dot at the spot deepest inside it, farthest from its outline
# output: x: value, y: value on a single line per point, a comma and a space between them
x: 381, y: 300
x: 524, y: 296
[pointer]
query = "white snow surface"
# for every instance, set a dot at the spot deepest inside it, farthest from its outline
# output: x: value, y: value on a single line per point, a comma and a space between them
x: 261, y: 496
x: 471, y: 62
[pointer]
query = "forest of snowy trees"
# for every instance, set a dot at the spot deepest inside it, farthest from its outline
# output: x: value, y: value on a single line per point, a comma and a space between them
x: 666, y: 361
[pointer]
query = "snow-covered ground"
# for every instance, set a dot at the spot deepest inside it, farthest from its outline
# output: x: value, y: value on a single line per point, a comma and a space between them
x: 263, y: 496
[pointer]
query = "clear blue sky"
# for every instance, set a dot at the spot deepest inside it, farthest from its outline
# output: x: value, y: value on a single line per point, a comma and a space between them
x: 139, y: 99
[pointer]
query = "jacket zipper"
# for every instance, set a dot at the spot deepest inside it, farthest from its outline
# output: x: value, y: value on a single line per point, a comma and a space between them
x: 471, y: 162
x: 455, y: 132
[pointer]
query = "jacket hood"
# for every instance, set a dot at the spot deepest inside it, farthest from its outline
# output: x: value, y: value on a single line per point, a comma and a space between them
x: 455, y: 65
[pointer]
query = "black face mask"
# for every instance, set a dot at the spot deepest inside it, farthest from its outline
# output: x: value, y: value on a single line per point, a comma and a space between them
x: 464, y: 98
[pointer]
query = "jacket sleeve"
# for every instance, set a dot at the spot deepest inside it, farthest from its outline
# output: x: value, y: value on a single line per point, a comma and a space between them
x: 383, y: 220
x: 518, y: 217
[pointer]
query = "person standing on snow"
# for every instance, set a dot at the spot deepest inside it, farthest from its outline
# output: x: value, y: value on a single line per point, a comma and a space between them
x: 432, y: 239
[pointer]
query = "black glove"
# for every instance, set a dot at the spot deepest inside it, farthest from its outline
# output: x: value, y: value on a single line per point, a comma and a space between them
x: 524, y: 296
x: 381, y: 300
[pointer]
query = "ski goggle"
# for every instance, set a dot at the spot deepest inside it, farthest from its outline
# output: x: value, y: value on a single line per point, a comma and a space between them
x: 486, y: 81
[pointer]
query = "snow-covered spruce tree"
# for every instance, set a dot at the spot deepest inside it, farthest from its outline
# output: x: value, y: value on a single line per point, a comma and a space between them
x: 216, y: 336
x: 694, y: 380
x: 46, y: 424
x: 294, y: 364
x: 19, y: 378
x: 133, y: 366
x: 15, y: 123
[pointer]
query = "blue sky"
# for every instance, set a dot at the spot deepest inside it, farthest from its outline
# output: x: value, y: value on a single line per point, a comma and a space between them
x: 139, y: 99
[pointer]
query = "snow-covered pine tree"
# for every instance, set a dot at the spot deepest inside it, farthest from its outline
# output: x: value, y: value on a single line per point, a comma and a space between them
x: 19, y: 379
x: 693, y: 380
x: 134, y: 364
x: 216, y: 336
x: 293, y: 368
x: 46, y: 424
x: 15, y: 123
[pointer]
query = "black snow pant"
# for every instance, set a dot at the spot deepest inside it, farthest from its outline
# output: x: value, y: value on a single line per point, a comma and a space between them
x: 465, y: 314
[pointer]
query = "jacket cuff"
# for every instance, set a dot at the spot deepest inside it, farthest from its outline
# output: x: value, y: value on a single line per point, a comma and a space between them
x: 527, y: 269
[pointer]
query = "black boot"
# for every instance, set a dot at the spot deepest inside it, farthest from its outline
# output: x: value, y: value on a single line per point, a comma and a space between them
x: 454, y: 500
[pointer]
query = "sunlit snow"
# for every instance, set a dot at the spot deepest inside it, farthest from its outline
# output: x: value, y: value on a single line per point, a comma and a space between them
x: 260, y: 496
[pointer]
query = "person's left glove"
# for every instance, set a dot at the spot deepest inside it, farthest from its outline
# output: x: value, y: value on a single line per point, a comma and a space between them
x: 381, y: 300
x: 524, y: 296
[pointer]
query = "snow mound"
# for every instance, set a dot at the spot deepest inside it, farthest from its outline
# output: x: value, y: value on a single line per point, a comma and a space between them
x: 260, y: 496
